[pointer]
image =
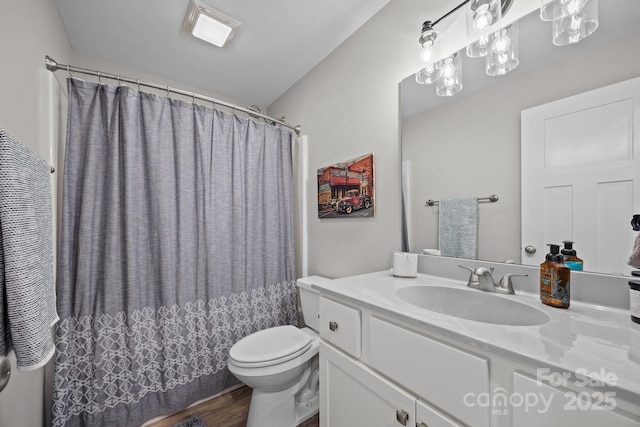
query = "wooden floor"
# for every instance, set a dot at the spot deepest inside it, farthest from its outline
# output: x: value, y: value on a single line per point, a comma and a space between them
x: 228, y: 410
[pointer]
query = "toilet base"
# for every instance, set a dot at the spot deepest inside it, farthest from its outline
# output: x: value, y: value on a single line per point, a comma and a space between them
x: 282, y: 409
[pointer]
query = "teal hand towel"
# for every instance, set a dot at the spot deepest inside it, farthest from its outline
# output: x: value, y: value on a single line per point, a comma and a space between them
x: 458, y: 228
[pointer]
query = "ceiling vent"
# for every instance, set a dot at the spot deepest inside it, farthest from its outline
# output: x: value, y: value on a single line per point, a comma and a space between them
x: 209, y: 24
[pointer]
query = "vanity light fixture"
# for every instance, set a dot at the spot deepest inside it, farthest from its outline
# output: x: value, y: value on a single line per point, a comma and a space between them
x: 209, y: 24
x: 550, y: 10
x: 427, y: 71
x: 580, y: 24
x: 573, y: 20
x: 503, y: 53
x: 482, y: 15
x: 450, y: 82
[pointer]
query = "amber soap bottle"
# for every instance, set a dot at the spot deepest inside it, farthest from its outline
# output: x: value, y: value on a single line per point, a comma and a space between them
x: 555, y: 279
x: 571, y: 257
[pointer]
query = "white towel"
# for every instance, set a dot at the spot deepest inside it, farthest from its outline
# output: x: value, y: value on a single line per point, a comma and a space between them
x: 27, y: 290
x: 458, y: 228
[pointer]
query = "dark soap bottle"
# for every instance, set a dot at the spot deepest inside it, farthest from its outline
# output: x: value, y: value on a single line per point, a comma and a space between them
x: 555, y: 279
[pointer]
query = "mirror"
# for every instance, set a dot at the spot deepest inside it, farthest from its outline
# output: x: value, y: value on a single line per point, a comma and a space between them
x: 468, y: 145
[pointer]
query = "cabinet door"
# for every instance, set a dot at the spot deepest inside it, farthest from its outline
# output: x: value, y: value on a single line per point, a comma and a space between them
x: 556, y: 407
x: 353, y: 395
x: 447, y: 377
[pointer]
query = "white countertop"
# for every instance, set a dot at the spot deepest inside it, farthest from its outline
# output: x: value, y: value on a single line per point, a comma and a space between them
x: 582, y: 339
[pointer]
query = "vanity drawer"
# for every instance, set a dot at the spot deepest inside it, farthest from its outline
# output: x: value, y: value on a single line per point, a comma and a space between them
x: 443, y: 375
x: 431, y: 417
x: 340, y: 325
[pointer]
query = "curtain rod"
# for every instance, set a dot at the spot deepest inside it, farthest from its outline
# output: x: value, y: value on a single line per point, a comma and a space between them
x: 53, y: 66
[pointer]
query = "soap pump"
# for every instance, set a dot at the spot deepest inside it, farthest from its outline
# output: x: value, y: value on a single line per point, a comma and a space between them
x: 555, y: 279
x: 570, y: 256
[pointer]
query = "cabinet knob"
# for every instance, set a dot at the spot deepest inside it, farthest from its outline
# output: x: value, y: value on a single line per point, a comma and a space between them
x: 402, y: 417
x: 333, y: 325
x: 530, y: 249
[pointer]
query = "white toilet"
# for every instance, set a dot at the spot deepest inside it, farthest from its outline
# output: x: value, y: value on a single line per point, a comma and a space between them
x: 281, y: 365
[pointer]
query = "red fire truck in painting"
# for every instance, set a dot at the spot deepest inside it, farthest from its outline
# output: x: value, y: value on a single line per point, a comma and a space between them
x: 353, y: 201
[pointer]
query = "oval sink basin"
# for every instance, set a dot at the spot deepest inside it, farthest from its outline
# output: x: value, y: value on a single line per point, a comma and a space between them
x: 468, y: 304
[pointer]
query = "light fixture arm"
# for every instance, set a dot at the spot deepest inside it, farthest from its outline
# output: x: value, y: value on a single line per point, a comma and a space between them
x: 449, y: 13
x: 506, y: 5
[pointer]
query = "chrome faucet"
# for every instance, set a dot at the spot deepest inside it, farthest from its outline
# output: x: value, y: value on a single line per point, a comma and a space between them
x: 506, y: 286
x: 485, y: 279
x: 481, y: 278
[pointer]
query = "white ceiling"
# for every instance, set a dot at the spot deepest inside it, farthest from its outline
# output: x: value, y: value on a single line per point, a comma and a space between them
x: 278, y: 42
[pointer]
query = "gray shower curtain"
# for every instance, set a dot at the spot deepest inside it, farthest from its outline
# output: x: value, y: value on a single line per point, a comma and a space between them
x: 176, y: 241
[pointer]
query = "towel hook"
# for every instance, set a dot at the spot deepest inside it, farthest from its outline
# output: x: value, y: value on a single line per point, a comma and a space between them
x: 5, y: 372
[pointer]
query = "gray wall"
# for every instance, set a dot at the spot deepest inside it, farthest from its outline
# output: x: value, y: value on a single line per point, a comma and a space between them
x: 471, y: 147
x: 348, y: 105
x: 29, y: 30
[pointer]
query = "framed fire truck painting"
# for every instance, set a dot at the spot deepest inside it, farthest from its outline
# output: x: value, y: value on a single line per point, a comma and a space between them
x: 346, y: 189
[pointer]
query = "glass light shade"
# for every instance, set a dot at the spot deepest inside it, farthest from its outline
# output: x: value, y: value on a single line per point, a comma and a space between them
x: 550, y: 10
x: 427, y: 71
x: 573, y: 28
x: 482, y: 14
x: 451, y: 81
x: 503, y: 55
x: 480, y: 47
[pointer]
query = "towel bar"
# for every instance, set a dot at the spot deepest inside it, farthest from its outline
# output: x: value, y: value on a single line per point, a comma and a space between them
x: 492, y: 198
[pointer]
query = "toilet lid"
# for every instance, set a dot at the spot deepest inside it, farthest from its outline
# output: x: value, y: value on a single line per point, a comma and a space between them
x: 270, y: 346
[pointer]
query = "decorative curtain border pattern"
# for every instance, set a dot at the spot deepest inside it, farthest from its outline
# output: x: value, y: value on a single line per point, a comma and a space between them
x: 99, y: 368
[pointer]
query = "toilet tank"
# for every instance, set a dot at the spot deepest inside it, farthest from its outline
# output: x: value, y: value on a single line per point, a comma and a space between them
x: 310, y: 300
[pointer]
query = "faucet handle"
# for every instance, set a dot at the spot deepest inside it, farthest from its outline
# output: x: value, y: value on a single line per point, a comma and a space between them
x: 506, y: 285
x: 473, y: 277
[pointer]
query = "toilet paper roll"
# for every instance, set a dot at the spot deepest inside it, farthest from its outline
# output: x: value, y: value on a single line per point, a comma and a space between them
x: 405, y: 264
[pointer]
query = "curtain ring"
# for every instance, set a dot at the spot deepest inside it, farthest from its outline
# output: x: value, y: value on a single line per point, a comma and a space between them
x: 99, y: 78
x: 193, y: 100
x: 167, y: 91
x: 119, y: 82
x: 138, y: 81
x: 69, y: 71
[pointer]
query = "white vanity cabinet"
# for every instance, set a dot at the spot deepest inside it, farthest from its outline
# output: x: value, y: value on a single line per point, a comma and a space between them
x: 376, y: 370
x: 356, y: 394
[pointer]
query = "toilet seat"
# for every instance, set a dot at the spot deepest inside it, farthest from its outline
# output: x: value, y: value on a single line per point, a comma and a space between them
x: 269, y: 347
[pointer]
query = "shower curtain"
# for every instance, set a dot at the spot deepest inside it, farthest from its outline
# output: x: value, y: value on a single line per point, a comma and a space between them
x: 176, y: 241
